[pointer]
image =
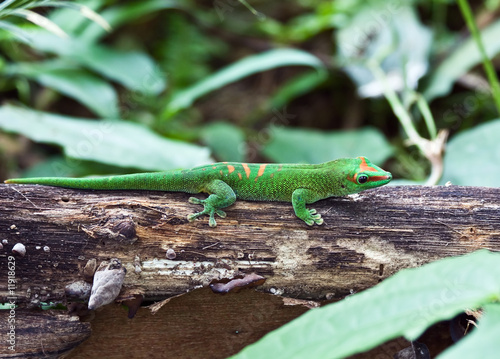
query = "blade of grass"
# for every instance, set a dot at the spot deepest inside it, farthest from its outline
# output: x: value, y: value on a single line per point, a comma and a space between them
x: 40, y: 20
x: 84, y: 11
x: 16, y: 31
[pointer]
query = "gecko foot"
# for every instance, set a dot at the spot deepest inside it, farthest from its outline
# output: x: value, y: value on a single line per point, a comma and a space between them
x: 312, y: 217
x: 208, y: 209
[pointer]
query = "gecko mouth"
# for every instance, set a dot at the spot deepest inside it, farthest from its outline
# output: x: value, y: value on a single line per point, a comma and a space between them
x: 380, y: 178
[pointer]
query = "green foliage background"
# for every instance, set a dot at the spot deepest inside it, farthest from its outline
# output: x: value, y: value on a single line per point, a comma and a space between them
x: 292, y: 81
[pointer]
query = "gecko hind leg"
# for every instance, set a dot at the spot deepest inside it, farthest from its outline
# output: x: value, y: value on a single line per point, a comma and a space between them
x: 221, y: 195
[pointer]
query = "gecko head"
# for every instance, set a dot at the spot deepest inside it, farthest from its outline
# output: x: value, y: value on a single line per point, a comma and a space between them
x: 363, y: 175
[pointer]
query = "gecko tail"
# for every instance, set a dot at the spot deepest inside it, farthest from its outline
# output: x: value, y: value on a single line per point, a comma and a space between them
x: 156, y: 181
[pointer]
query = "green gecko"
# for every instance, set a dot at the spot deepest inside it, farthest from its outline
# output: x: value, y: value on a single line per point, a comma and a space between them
x: 225, y: 181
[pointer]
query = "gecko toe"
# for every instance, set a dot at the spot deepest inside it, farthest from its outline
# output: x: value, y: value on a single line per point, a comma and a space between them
x: 220, y: 213
x: 211, y: 222
x: 195, y: 200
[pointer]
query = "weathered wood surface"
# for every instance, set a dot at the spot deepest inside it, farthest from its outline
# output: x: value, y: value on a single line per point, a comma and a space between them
x: 365, y: 238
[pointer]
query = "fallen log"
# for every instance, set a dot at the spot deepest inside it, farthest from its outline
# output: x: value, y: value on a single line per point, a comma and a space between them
x: 365, y: 238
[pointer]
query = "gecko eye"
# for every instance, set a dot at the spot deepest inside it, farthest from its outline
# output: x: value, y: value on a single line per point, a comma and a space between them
x: 362, y: 179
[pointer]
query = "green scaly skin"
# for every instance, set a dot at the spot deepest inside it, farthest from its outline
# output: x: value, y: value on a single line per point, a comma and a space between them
x: 226, y: 181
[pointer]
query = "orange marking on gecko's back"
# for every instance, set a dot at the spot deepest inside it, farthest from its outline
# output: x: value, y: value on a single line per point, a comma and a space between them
x: 364, y: 166
x: 221, y: 173
x: 247, y: 169
x: 230, y: 169
x: 262, y: 168
x: 240, y: 176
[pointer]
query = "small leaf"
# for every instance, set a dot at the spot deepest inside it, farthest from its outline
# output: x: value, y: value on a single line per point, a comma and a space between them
x: 109, y: 141
x: 471, y: 157
x: 299, y: 145
x: 402, y: 305
x: 240, y: 69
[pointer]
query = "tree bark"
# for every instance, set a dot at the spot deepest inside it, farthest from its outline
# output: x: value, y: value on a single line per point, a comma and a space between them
x: 365, y: 238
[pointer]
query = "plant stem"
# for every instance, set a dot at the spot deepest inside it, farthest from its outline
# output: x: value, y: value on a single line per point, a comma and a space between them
x: 423, y: 106
x: 487, y: 64
x: 398, y: 107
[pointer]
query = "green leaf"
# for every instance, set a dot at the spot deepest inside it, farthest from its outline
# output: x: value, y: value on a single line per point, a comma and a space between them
x: 403, y: 305
x: 135, y: 70
x: 225, y: 140
x: 90, y: 90
x: 483, y: 341
x: 471, y: 157
x: 113, y: 142
x: 242, y: 68
x: 299, y: 145
x: 464, y: 58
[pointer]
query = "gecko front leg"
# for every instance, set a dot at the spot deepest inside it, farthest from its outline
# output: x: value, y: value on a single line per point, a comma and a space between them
x: 300, y: 197
x: 221, y: 195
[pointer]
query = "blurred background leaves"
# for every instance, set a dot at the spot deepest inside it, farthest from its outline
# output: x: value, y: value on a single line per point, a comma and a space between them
x: 189, y: 82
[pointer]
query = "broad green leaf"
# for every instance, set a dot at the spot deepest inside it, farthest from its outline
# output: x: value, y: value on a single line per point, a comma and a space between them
x: 483, y: 341
x: 134, y: 70
x: 465, y: 57
x: 242, y: 68
x: 402, y: 305
x: 225, y: 140
x: 113, y: 142
x: 299, y: 145
x: 394, y: 36
x: 90, y: 90
x: 472, y: 156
